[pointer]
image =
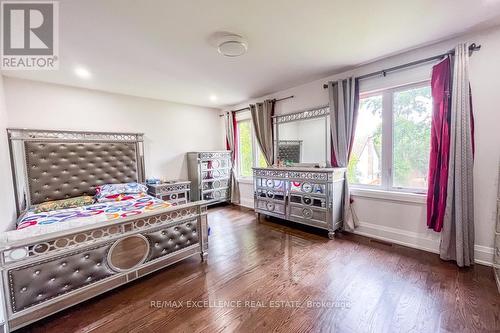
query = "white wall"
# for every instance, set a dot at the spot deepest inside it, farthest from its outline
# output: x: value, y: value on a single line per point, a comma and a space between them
x: 7, y: 205
x: 170, y: 129
x: 405, y: 222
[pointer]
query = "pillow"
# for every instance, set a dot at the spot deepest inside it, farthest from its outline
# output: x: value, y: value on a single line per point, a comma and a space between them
x: 48, y: 206
x: 107, y: 190
x: 122, y: 196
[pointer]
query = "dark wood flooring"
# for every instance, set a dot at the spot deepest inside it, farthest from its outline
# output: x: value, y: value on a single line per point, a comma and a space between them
x: 298, y: 282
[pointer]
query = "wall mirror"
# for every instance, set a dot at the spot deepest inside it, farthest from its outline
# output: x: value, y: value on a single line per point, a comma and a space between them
x: 302, y: 138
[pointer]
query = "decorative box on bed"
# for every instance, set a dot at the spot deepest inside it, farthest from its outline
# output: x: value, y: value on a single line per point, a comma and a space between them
x: 45, y: 270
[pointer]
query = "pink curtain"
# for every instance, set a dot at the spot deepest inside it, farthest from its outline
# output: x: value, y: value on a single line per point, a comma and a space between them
x: 440, y: 145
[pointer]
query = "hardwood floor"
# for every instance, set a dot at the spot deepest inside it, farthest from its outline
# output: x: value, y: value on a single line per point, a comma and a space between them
x: 366, y: 286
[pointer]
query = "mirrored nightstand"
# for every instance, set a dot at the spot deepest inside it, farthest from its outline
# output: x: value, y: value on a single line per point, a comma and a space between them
x: 175, y: 192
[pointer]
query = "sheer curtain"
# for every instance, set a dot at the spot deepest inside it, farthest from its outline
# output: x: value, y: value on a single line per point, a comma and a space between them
x: 457, y: 235
x: 262, y: 114
x: 344, y: 102
x: 232, y: 145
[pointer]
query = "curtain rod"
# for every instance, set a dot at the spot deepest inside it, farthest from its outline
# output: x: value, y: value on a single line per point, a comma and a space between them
x: 248, y: 108
x: 473, y: 47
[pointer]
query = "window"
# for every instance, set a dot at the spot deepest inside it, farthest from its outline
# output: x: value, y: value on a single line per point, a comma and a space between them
x: 392, y: 139
x: 249, y: 153
x: 261, y: 160
x: 365, y: 165
x: 245, y: 148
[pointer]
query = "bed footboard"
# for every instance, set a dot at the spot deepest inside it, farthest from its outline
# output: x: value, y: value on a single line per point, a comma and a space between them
x: 44, y: 275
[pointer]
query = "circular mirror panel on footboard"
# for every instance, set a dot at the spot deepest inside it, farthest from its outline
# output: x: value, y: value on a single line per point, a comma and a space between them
x: 128, y: 252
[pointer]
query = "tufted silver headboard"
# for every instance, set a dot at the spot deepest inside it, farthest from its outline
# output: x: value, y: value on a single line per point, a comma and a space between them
x: 51, y: 165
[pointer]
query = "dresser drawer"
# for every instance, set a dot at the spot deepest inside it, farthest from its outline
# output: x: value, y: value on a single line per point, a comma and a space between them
x: 271, y: 206
x: 214, y: 184
x: 215, y: 164
x: 271, y: 184
x: 171, y: 197
x: 309, y: 188
x: 216, y: 195
x: 308, y: 201
x: 178, y: 202
x: 215, y: 174
x: 308, y: 215
x: 270, y: 194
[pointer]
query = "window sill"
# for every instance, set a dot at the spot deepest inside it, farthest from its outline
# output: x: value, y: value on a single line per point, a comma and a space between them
x: 417, y: 198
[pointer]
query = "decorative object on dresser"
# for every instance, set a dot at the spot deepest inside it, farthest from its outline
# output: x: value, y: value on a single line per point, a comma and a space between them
x: 49, y: 267
x: 290, y: 150
x: 311, y: 196
x: 210, y: 176
x: 175, y: 192
x: 496, y: 255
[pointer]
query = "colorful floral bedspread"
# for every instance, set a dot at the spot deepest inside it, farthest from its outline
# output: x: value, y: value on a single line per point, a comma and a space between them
x: 99, y: 212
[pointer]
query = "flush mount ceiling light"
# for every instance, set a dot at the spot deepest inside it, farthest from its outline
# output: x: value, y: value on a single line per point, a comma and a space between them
x: 82, y: 72
x: 232, y: 45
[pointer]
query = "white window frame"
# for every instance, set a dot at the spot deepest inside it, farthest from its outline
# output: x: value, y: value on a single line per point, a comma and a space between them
x: 246, y: 116
x: 387, y: 143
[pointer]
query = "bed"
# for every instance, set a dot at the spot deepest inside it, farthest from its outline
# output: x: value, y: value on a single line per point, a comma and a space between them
x: 54, y: 260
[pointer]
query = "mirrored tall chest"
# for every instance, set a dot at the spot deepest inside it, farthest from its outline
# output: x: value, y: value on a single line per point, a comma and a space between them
x: 210, y: 175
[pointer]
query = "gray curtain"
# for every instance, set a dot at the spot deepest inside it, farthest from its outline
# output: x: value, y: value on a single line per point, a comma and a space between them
x: 262, y: 114
x: 457, y: 235
x: 344, y: 101
x: 230, y: 140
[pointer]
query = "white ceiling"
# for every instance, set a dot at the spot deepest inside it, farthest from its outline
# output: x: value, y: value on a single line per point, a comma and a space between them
x: 162, y: 49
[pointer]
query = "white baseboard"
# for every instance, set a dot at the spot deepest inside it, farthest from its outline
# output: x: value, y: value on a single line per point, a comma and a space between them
x: 399, y: 236
x: 482, y: 254
x: 245, y: 202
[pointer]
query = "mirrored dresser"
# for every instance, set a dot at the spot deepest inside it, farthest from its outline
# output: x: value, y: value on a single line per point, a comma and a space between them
x: 311, y: 196
x: 210, y: 175
x: 302, y: 192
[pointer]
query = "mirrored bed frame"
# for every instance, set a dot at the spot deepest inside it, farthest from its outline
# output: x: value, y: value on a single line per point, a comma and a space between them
x: 52, y: 271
